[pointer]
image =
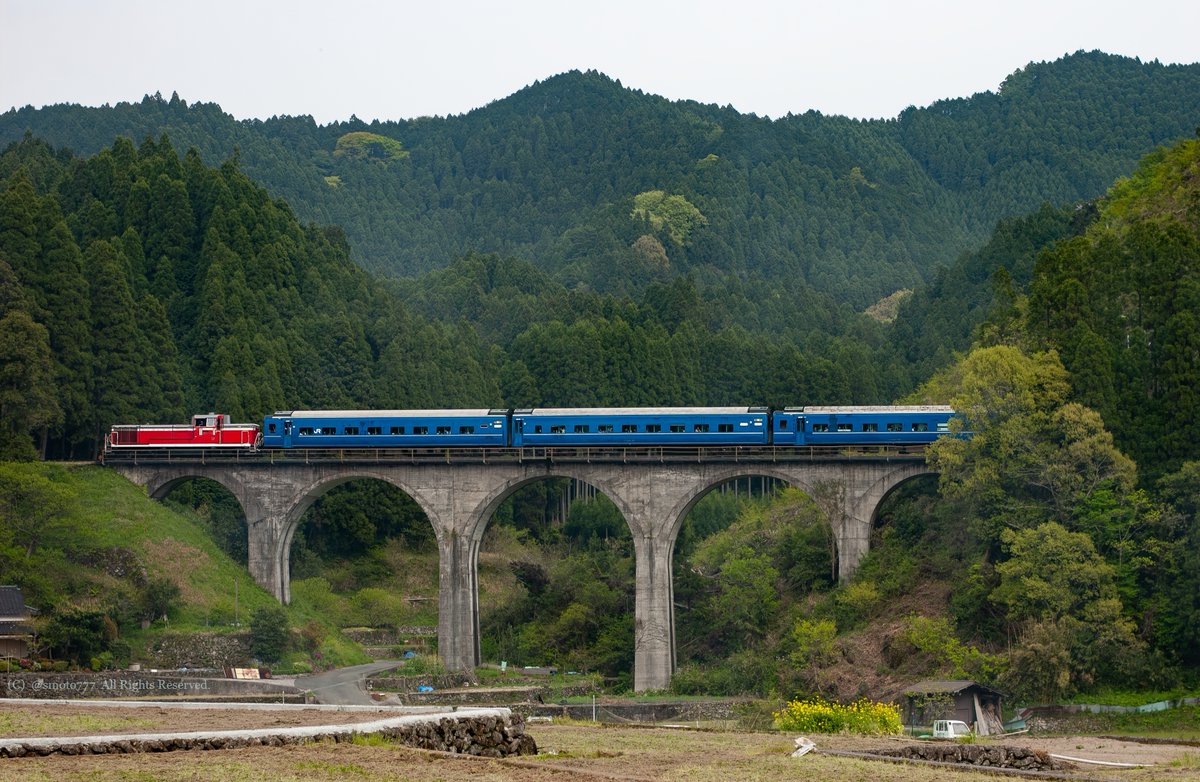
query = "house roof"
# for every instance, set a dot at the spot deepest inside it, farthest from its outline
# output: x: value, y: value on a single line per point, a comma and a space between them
x: 946, y: 686
x: 15, y: 630
x: 12, y: 603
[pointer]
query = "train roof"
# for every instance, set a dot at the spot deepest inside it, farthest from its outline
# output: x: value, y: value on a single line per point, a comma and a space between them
x: 847, y: 409
x: 452, y: 413
x: 622, y: 411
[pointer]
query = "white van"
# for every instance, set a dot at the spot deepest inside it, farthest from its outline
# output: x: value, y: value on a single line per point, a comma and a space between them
x: 950, y: 729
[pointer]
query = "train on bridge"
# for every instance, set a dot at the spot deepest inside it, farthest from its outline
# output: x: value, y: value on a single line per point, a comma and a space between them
x: 859, y: 426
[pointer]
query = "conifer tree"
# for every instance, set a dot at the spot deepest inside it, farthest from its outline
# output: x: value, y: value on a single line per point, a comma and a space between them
x: 119, y: 360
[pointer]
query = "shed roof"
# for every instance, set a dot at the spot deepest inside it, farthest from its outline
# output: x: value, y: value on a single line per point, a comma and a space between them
x: 947, y: 686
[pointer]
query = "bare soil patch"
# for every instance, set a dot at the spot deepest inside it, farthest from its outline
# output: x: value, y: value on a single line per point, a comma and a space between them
x: 24, y: 721
x: 569, y: 753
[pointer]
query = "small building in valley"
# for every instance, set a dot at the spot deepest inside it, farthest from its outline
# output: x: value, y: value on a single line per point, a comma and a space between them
x: 16, y: 632
x: 953, y: 699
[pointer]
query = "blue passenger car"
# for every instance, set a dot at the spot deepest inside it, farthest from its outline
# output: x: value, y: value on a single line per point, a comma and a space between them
x: 385, y: 428
x: 870, y: 425
x: 632, y: 426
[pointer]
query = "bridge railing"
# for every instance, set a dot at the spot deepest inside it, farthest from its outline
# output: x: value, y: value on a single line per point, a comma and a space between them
x: 609, y: 455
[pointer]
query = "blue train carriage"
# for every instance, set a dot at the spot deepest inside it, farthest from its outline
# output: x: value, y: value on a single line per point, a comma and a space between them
x: 386, y: 428
x: 633, y: 426
x: 872, y: 424
x: 864, y: 425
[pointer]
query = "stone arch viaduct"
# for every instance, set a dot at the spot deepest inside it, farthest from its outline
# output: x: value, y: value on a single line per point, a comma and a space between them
x: 459, y: 496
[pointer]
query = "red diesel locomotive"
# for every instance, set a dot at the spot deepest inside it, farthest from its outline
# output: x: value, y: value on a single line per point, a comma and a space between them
x: 212, y: 430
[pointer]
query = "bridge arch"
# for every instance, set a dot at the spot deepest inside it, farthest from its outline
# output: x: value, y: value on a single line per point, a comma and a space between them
x: 459, y: 497
x: 308, y: 493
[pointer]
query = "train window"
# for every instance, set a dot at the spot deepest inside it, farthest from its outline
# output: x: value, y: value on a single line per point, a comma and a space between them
x: 895, y: 427
x: 374, y: 430
x: 351, y: 430
x: 466, y: 430
x: 397, y: 430
x: 782, y: 423
x: 537, y: 429
x: 271, y: 428
x: 725, y: 427
x: 582, y: 428
x: 700, y: 427
x: 443, y: 430
x: 420, y: 430
x: 306, y: 430
x: 654, y: 428
x: 627, y: 428
x: 820, y: 427
x: 678, y: 428
x: 845, y: 427
x: 558, y: 429
x: 920, y: 427
x: 870, y: 427
x: 604, y: 428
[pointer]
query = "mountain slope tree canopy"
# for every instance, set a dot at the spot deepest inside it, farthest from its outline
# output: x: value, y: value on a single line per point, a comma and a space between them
x: 856, y: 209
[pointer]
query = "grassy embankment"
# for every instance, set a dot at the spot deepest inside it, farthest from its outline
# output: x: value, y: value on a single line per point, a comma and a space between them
x: 108, y: 514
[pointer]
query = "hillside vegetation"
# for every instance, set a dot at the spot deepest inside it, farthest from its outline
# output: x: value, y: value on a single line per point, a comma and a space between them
x: 551, y: 174
x: 99, y: 560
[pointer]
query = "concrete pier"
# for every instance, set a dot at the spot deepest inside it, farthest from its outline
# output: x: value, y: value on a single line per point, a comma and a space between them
x: 460, y: 498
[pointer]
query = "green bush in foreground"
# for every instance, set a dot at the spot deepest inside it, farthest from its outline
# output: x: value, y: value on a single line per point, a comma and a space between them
x: 817, y: 715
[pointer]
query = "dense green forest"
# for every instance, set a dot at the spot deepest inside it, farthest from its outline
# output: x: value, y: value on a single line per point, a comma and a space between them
x: 1056, y: 552
x: 604, y: 186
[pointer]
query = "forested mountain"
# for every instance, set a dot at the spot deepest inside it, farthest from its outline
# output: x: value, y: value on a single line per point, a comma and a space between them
x: 599, y: 184
x: 1121, y: 304
x: 139, y: 285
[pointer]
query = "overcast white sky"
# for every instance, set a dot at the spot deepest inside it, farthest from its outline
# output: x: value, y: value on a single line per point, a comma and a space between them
x: 396, y: 60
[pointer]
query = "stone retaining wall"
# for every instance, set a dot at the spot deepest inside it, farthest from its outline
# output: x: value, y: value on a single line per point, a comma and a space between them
x: 198, y: 650
x: 398, y: 636
x: 997, y: 756
x: 494, y: 734
x: 445, y: 681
